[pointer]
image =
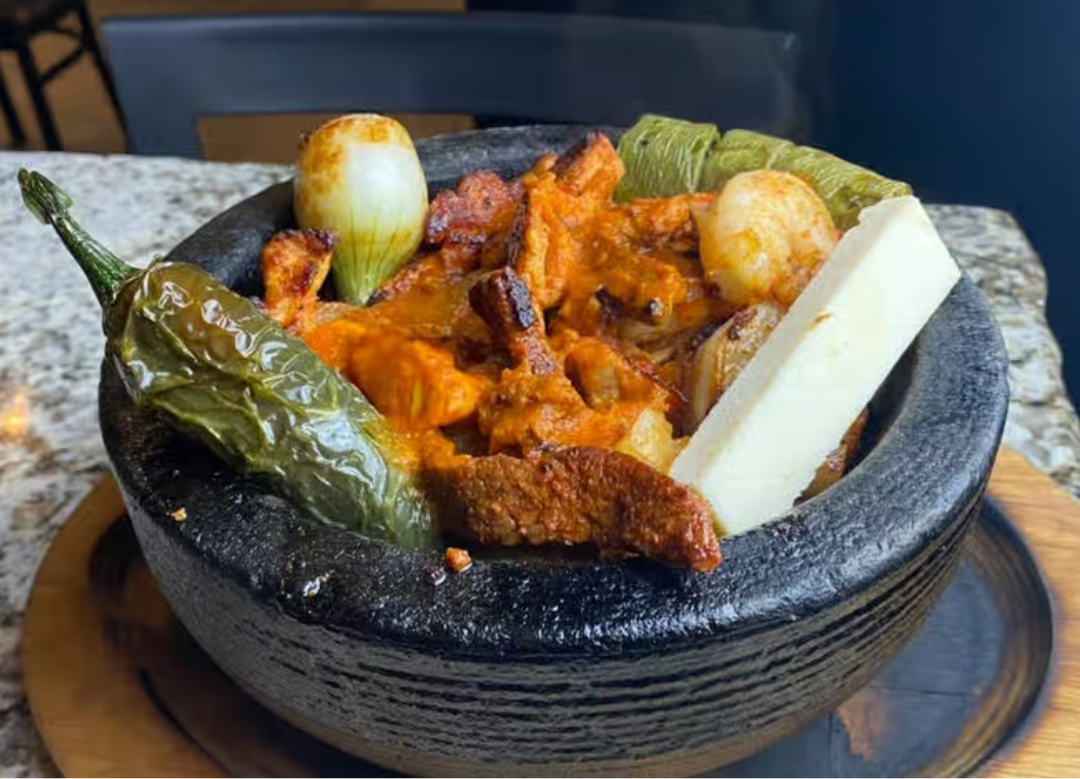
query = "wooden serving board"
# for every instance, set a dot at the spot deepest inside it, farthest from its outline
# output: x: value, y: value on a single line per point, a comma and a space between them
x: 118, y: 689
x: 1049, y: 520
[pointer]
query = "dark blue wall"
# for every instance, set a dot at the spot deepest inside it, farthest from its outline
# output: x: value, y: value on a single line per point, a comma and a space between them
x: 974, y: 101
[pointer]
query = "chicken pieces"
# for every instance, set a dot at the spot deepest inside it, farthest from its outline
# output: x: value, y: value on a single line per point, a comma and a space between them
x: 570, y: 242
x: 416, y: 385
x: 604, y: 375
x: 505, y: 303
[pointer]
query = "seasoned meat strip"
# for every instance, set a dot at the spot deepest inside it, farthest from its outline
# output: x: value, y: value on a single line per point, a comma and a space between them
x: 502, y: 299
x: 541, y: 247
x: 549, y: 239
x: 576, y: 496
x: 428, y: 273
x: 590, y: 167
x: 603, y: 374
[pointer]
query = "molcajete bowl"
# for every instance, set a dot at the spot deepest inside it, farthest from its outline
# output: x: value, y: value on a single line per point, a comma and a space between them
x: 530, y: 665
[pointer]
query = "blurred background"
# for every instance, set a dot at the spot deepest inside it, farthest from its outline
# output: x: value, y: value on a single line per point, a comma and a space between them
x: 972, y: 101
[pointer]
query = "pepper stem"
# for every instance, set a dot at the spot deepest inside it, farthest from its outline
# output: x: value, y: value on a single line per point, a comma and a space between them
x: 105, y: 271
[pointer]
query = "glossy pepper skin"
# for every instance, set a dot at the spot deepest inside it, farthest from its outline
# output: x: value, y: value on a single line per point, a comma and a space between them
x: 219, y: 369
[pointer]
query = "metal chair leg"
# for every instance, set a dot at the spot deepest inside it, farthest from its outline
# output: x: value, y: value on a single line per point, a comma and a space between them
x: 90, y: 42
x: 37, y: 95
x: 11, y: 116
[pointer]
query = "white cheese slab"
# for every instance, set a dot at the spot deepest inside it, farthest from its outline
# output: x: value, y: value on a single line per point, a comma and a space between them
x: 759, y: 446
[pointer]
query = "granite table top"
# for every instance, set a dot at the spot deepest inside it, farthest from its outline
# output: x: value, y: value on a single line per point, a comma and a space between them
x: 51, y: 452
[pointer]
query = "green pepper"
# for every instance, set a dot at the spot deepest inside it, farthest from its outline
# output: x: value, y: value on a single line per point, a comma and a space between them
x: 843, y: 186
x: 665, y: 156
x: 740, y: 151
x: 185, y: 345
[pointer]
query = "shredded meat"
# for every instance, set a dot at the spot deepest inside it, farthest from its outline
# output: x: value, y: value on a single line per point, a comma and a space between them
x: 576, y: 496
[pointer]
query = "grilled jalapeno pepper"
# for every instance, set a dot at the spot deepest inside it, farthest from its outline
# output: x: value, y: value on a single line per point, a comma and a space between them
x: 218, y: 368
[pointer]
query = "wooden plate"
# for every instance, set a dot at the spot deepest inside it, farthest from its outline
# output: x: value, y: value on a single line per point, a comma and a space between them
x: 118, y: 688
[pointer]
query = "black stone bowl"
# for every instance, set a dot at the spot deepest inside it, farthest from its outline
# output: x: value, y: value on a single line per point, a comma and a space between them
x: 539, y: 666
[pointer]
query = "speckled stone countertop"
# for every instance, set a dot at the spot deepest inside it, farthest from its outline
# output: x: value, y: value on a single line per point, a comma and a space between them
x: 51, y: 344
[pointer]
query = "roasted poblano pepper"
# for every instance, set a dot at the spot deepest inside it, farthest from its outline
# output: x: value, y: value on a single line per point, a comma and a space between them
x: 665, y: 156
x: 218, y: 368
x: 845, y: 188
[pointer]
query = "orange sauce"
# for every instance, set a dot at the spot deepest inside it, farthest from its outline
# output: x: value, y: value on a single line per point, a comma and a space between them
x: 623, y: 296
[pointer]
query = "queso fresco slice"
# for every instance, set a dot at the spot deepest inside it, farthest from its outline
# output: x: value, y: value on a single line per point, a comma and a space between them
x: 760, y: 445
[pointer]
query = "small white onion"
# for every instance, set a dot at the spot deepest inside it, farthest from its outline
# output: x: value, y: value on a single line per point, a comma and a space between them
x: 359, y: 176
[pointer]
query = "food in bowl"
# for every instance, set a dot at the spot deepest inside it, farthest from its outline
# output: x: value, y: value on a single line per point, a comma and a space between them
x: 542, y: 664
x: 554, y: 366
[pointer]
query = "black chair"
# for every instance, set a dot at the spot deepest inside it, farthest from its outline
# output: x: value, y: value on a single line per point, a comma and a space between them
x: 170, y: 71
x: 814, y: 21
x: 23, y: 20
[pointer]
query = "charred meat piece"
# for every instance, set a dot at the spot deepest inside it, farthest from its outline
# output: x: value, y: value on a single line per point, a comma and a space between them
x: 477, y: 214
x: 428, y: 273
x: 535, y: 405
x: 551, y: 235
x: 502, y: 299
x: 542, y: 248
x: 590, y: 168
x: 576, y: 496
x: 294, y: 267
